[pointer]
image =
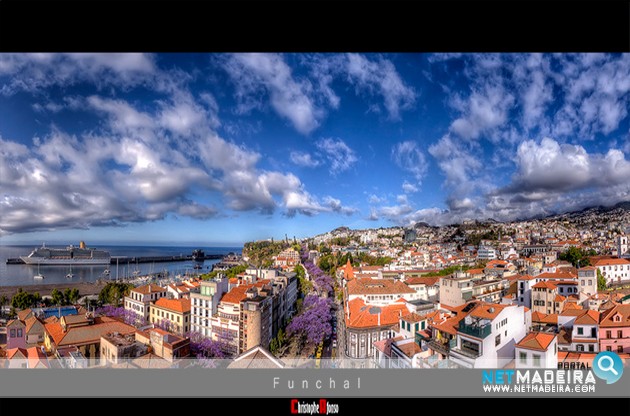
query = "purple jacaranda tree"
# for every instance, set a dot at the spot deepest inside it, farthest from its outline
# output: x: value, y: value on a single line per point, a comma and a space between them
x: 127, y: 316
x: 166, y: 325
x: 203, y: 347
x: 323, y: 283
x: 313, y: 324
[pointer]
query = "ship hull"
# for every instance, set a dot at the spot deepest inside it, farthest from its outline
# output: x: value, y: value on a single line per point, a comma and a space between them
x: 79, y: 262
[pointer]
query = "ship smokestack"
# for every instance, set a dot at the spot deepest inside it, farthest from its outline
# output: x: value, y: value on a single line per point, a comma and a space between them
x: 82, y: 244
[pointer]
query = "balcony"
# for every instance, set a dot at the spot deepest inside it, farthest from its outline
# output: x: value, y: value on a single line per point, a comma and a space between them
x: 466, y: 352
x: 479, y: 331
x: 442, y: 348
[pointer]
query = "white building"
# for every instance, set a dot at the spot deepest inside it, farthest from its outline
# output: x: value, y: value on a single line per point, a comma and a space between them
x: 614, y: 270
x: 140, y: 298
x: 526, y: 282
x: 579, y: 330
x: 203, y: 305
x: 486, y: 338
x: 537, y: 350
x: 455, y: 291
x: 378, y: 291
x: 622, y: 246
x: 486, y: 253
x: 427, y: 288
x: 587, y: 280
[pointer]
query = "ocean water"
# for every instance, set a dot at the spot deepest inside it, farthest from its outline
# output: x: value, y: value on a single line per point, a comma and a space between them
x: 22, y: 274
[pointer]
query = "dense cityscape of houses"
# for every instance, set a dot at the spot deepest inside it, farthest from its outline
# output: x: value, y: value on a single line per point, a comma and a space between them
x: 474, y: 295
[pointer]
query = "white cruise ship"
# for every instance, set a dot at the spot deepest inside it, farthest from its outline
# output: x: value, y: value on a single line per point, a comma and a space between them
x: 69, y: 255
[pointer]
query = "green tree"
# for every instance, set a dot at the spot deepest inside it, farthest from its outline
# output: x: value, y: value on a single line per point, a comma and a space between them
x: 22, y: 300
x: 114, y: 292
x: 577, y: 257
x: 73, y: 296
x: 57, y: 297
x: 3, y: 300
x: 601, y: 281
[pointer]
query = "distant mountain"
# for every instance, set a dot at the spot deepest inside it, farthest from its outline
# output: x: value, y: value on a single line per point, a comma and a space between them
x: 600, y: 209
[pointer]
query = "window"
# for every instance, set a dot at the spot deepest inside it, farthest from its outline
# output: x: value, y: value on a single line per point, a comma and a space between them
x: 13, y: 333
x: 590, y: 282
x: 619, y: 348
x: 497, y: 340
x: 580, y: 347
x: 619, y: 334
x: 523, y: 358
x: 591, y: 348
x: 19, y: 332
x: 580, y: 330
x: 608, y: 348
x: 608, y: 334
x: 536, y: 358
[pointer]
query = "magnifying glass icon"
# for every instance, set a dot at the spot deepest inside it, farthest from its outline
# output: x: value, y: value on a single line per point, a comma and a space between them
x: 610, y: 367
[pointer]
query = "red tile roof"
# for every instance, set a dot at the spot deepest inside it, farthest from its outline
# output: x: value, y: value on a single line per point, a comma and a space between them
x: 11, y: 353
x: 175, y: 305
x: 572, y: 305
x: 558, y: 275
x: 414, y: 317
x: 526, y: 277
x: 607, y: 317
x: 148, y: 289
x: 611, y: 262
x: 236, y: 295
x: 369, y: 286
x: 30, y: 322
x: 36, y: 358
x: 409, y: 349
x: 22, y: 315
x: 539, y: 341
x: 545, y: 285
x: 366, y: 316
x: 429, y: 281
x: 589, y: 317
x: 487, y: 310
x: 87, y: 334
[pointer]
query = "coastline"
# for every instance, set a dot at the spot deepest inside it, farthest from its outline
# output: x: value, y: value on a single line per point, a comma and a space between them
x: 85, y: 288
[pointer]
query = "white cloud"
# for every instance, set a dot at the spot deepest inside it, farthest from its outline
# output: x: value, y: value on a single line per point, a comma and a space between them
x: 35, y: 71
x: 408, y: 156
x: 551, y: 166
x: 374, y: 199
x: 380, y: 77
x: 395, y: 212
x: 290, y: 98
x: 483, y: 111
x: 338, y: 154
x: 141, y: 166
x: 457, y: 162
x: 336, y: 206
x: 373, y: 215
x: 402, y: 199
x: 303, y: 159
x: 409, y: 187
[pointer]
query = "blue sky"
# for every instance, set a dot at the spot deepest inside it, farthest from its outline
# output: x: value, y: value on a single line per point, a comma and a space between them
x: 222, y: 149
